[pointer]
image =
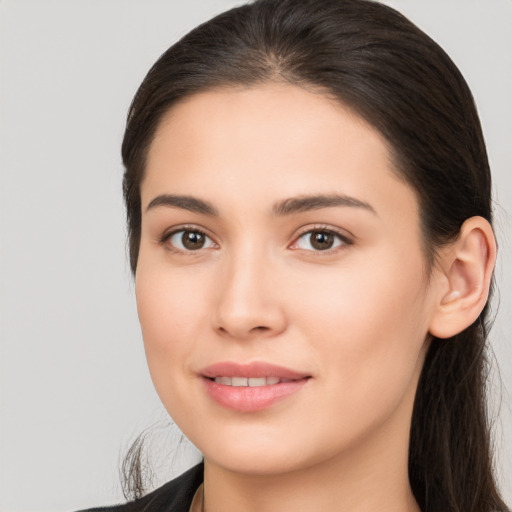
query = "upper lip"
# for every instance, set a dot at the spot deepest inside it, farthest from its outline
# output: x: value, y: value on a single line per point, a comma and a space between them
x: 255, y: 369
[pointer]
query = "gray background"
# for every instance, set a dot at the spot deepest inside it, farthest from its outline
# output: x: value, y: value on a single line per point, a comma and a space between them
x: 74, y: 385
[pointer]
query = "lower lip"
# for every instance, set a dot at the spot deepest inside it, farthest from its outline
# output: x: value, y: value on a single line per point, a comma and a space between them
x: 252, y: 399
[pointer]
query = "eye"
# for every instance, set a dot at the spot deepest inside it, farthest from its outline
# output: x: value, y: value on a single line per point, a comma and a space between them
x: 187, y: 240
x: 320, y: 240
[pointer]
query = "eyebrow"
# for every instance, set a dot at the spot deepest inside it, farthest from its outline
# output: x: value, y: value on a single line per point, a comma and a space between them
x: 281, y: 208
x: 316, y: 202
x: 189, y: 203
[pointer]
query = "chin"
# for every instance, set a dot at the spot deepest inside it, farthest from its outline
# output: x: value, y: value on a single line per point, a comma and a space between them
x: 256, y: 462
x: 264, y: 453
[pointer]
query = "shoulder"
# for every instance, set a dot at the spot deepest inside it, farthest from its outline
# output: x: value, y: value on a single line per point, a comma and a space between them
x: 174, y: 496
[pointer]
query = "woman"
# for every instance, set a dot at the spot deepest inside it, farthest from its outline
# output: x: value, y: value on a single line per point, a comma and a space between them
x: 309, y: 214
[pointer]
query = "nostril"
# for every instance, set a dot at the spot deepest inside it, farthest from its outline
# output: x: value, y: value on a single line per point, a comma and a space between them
x: 241, y: 321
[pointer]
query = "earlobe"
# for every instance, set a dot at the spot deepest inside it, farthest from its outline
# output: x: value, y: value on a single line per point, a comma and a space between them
x: 463, y: 278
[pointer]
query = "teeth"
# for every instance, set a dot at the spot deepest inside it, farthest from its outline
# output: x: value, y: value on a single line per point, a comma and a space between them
x: 251, y: 382
x: 255, y: 381
x: 239, y: 381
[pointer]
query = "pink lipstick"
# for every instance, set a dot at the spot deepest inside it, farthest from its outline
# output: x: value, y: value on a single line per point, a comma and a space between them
x: 251, y: 387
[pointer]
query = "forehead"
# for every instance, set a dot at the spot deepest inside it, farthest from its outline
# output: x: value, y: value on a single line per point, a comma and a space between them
x: 228, y: 115
x: 272, y: 140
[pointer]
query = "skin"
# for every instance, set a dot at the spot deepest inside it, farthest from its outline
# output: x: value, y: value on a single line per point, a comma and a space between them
x: 355, y: 317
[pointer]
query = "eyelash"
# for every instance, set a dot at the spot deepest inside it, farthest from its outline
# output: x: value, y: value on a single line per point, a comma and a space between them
x: 182, y: 229
x: 345, y: 241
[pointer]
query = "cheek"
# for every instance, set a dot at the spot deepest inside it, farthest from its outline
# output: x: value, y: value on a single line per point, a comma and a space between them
x: 368, y: 325
x: 170, y: 319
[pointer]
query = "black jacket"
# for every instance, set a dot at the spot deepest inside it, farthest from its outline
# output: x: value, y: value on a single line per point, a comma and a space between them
x: 174, y: 496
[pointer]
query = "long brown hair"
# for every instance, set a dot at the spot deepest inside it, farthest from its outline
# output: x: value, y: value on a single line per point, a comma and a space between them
x: 371, y: 58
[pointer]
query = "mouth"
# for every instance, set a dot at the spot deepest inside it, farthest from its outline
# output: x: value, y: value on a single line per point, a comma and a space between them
x: 251, y: 387
x: 251, y: 382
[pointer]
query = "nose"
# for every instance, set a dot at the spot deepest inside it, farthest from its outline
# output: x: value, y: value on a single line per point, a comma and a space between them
x: 248, y: 303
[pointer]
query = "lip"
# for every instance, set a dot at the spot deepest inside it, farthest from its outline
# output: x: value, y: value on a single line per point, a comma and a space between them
x: 256, y: 369
x: 251, y: 399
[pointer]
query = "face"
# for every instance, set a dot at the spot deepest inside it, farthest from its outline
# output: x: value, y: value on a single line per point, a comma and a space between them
x: 281, y: 285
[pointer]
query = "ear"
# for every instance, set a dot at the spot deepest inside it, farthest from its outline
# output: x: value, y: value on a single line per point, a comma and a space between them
x: 463, y: 278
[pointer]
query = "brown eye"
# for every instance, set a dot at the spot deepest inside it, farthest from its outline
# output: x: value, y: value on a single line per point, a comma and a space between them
x: 189, y: 240
x: 192, y: 240
x: 321, y: 240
